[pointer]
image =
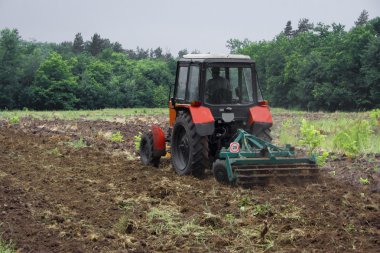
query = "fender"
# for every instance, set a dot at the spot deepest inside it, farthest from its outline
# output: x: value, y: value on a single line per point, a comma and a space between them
x: 260, y: 114
x: 203, y: 120
x: 159, y: 147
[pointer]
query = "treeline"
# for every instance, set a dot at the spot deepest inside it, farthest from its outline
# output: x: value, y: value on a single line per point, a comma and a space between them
x: 81, y: 74
x: 313, y: 67
x: 319, y: 67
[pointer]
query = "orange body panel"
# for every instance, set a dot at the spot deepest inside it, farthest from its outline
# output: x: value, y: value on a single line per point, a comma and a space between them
x: 260, y: 114
x: 172, y: 114
x: 199, y: 114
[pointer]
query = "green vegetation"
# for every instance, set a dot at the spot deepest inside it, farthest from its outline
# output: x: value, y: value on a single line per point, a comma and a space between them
x: 363, y: 181
x: 319, y: 67
x: 167, y: 220
x: 351, y: 134
x: 78, y: 144
x: 117, y: 137
x: 137, y: 141
x: 310, y: 137
x: 6, y: 247
x: 103, y: 114
x: 354, y: 139
x: 14, y: 120
x: 81, y: 74
x: 55, y: 152
x: 262, y: 209
x: 314, y: 67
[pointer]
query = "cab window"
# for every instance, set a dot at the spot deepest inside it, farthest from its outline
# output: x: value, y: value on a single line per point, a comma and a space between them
x: 182, y: 80
x: 193, y: 86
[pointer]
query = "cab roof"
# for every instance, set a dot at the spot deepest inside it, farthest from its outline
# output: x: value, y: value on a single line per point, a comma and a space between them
x: 216, y: 58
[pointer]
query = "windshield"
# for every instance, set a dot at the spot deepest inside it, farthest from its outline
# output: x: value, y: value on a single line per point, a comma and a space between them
x: 229, y: 85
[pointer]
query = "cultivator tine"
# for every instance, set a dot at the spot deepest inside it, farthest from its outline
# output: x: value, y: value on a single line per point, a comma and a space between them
x: 263, y: 174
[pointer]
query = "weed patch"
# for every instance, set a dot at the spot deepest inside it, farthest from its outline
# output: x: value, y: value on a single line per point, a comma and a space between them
x: 137, y: 141
x: 117, y: 137
x: 355, y: 139
x: 78, y: 144
x: 6, y: 247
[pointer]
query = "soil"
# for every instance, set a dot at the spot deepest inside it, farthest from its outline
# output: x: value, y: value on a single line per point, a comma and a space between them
x: 97, y: 197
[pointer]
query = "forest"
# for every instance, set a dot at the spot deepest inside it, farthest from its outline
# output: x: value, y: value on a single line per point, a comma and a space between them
x: 313, y: 67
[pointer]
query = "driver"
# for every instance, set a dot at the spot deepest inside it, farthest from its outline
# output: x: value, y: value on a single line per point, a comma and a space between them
x: 216, y: 84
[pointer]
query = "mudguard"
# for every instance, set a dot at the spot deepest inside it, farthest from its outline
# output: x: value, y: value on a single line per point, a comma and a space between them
x: 203, y: 120
x: 260, y: 114
x: 159, y: 147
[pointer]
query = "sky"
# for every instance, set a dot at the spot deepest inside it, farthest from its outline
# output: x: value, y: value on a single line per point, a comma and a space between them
x: 203, y: 25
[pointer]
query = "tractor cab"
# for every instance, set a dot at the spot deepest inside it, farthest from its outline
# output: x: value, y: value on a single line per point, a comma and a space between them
x: 226, y: 85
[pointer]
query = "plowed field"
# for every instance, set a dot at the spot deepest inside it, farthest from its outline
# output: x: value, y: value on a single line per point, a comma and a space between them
x: 65, y: 186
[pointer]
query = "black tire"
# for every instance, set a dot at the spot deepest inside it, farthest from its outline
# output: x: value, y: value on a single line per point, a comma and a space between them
x: 220, y: 171
x: 189, y: 150
x: 146, y: 150
x: 265, y: 135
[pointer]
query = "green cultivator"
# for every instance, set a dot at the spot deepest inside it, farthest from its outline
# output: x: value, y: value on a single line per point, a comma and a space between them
x: 251, y: 160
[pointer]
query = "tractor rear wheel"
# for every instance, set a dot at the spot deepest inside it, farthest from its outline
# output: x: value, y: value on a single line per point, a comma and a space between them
x: 265, y: 135
x: 189, y: 150
x: 146, y: 150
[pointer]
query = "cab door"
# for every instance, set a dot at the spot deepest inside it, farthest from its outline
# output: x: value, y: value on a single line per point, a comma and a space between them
x: 180, y: 87
x: 186, y: 88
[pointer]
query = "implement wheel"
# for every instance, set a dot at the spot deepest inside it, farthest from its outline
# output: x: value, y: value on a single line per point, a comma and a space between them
x: 220, y: 171
x: 189, y: 150
x: 146, y: 151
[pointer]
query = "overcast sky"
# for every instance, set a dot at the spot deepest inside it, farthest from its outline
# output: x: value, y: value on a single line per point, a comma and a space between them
x: 205, y: 25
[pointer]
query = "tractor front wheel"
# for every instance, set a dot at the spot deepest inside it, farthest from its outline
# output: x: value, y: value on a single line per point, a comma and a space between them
x: 220, y: 171
x: 146, y: 151
x: 189, y: 150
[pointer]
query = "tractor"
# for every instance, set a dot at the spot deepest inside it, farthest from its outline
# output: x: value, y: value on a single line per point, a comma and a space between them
x: 219, y: 120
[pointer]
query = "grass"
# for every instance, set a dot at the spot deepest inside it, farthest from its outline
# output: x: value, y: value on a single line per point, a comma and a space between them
x: 78, y: 144
x: 350, y: 133
x: 103, y: 114
x: 287, y: 130
x: 6, y: 247
x: 167, y: 220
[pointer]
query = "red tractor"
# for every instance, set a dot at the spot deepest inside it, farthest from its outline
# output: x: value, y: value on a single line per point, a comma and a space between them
x: 217, y: 103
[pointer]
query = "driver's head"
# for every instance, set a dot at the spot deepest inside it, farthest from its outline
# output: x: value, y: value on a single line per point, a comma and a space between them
x: 215, y: 71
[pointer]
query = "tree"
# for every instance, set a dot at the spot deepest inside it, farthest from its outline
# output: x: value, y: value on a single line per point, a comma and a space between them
x: 93, y: 90
x: 157, y: 53
x: 304, y: 26
x: 288, y: 30
x: 235, y: 45
x: 182, y: 52
x: 362, y: 19
x: 95, y: 45
x: 54, y: 86
x: 9, y: 68
x: 78, y: 45
x: 117, y: 47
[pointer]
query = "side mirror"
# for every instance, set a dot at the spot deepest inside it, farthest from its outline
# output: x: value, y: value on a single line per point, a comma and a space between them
x: 172, y: 100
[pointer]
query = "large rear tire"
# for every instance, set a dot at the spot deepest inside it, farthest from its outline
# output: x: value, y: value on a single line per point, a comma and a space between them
x: 264, y: 134
x: 189, y: 150
x: 146, y: 150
